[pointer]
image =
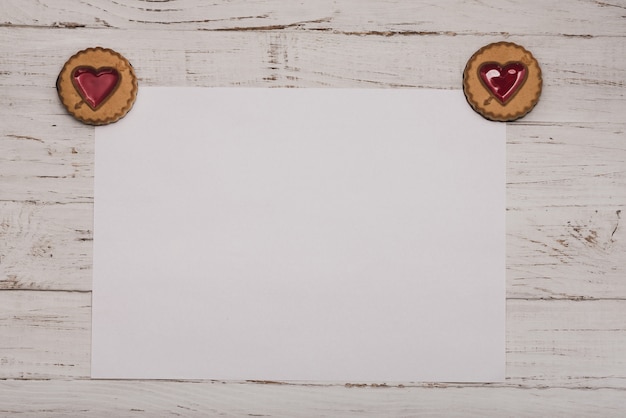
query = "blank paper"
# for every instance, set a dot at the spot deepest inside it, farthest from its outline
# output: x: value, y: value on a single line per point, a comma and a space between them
x: 351, y: 235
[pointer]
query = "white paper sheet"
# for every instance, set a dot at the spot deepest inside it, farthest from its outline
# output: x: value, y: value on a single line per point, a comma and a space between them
x: 300, y: 234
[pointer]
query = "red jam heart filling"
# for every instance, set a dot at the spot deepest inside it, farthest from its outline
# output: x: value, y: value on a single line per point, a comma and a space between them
x: 503, y: 82
x: 95, y: 86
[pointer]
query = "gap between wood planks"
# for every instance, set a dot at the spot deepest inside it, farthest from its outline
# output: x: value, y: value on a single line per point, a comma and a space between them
x: 348, y: 385
x: 563, y: 298
x: 299, y: 26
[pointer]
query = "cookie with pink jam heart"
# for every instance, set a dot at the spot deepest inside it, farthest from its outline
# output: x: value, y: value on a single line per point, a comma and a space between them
x: 502, y: 81
x: 97, y: 86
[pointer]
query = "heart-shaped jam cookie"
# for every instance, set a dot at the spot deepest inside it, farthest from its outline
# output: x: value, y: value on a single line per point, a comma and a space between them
x: 97, y: 86
x: 502, y: 81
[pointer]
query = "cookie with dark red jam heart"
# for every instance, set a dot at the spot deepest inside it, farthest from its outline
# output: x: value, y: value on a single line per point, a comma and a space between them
x: 97, y: 86
x: 502, y: 81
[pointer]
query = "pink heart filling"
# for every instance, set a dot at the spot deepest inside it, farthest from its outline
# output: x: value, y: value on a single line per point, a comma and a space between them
x: 503, y: 82
x: 95, y: 86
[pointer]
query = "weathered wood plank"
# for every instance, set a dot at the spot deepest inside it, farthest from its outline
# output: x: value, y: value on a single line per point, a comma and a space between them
x: 549, y: 343
x: 566, y: 253
x: 46, y: 246
x: 580, y: 18
x: 208, y: 399
x: 563, y: 343
x: 44, y: 334
x: 566, y: 165
x: 578, y: 87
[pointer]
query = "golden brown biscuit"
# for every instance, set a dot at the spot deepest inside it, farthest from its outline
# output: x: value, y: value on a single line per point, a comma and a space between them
x: 502, y: 81
x: 97, y: 86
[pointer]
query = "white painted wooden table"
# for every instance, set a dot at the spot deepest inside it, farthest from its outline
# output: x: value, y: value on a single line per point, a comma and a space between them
x: 566, y: 190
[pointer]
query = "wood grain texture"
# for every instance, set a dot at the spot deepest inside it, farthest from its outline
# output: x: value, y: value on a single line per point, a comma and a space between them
x: 454, y: 17
x: 45, y: 334
x: 212, y: 399
x: 566, y: 190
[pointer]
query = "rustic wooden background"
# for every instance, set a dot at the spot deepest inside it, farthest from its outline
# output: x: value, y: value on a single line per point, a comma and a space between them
x: 566, y: 191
